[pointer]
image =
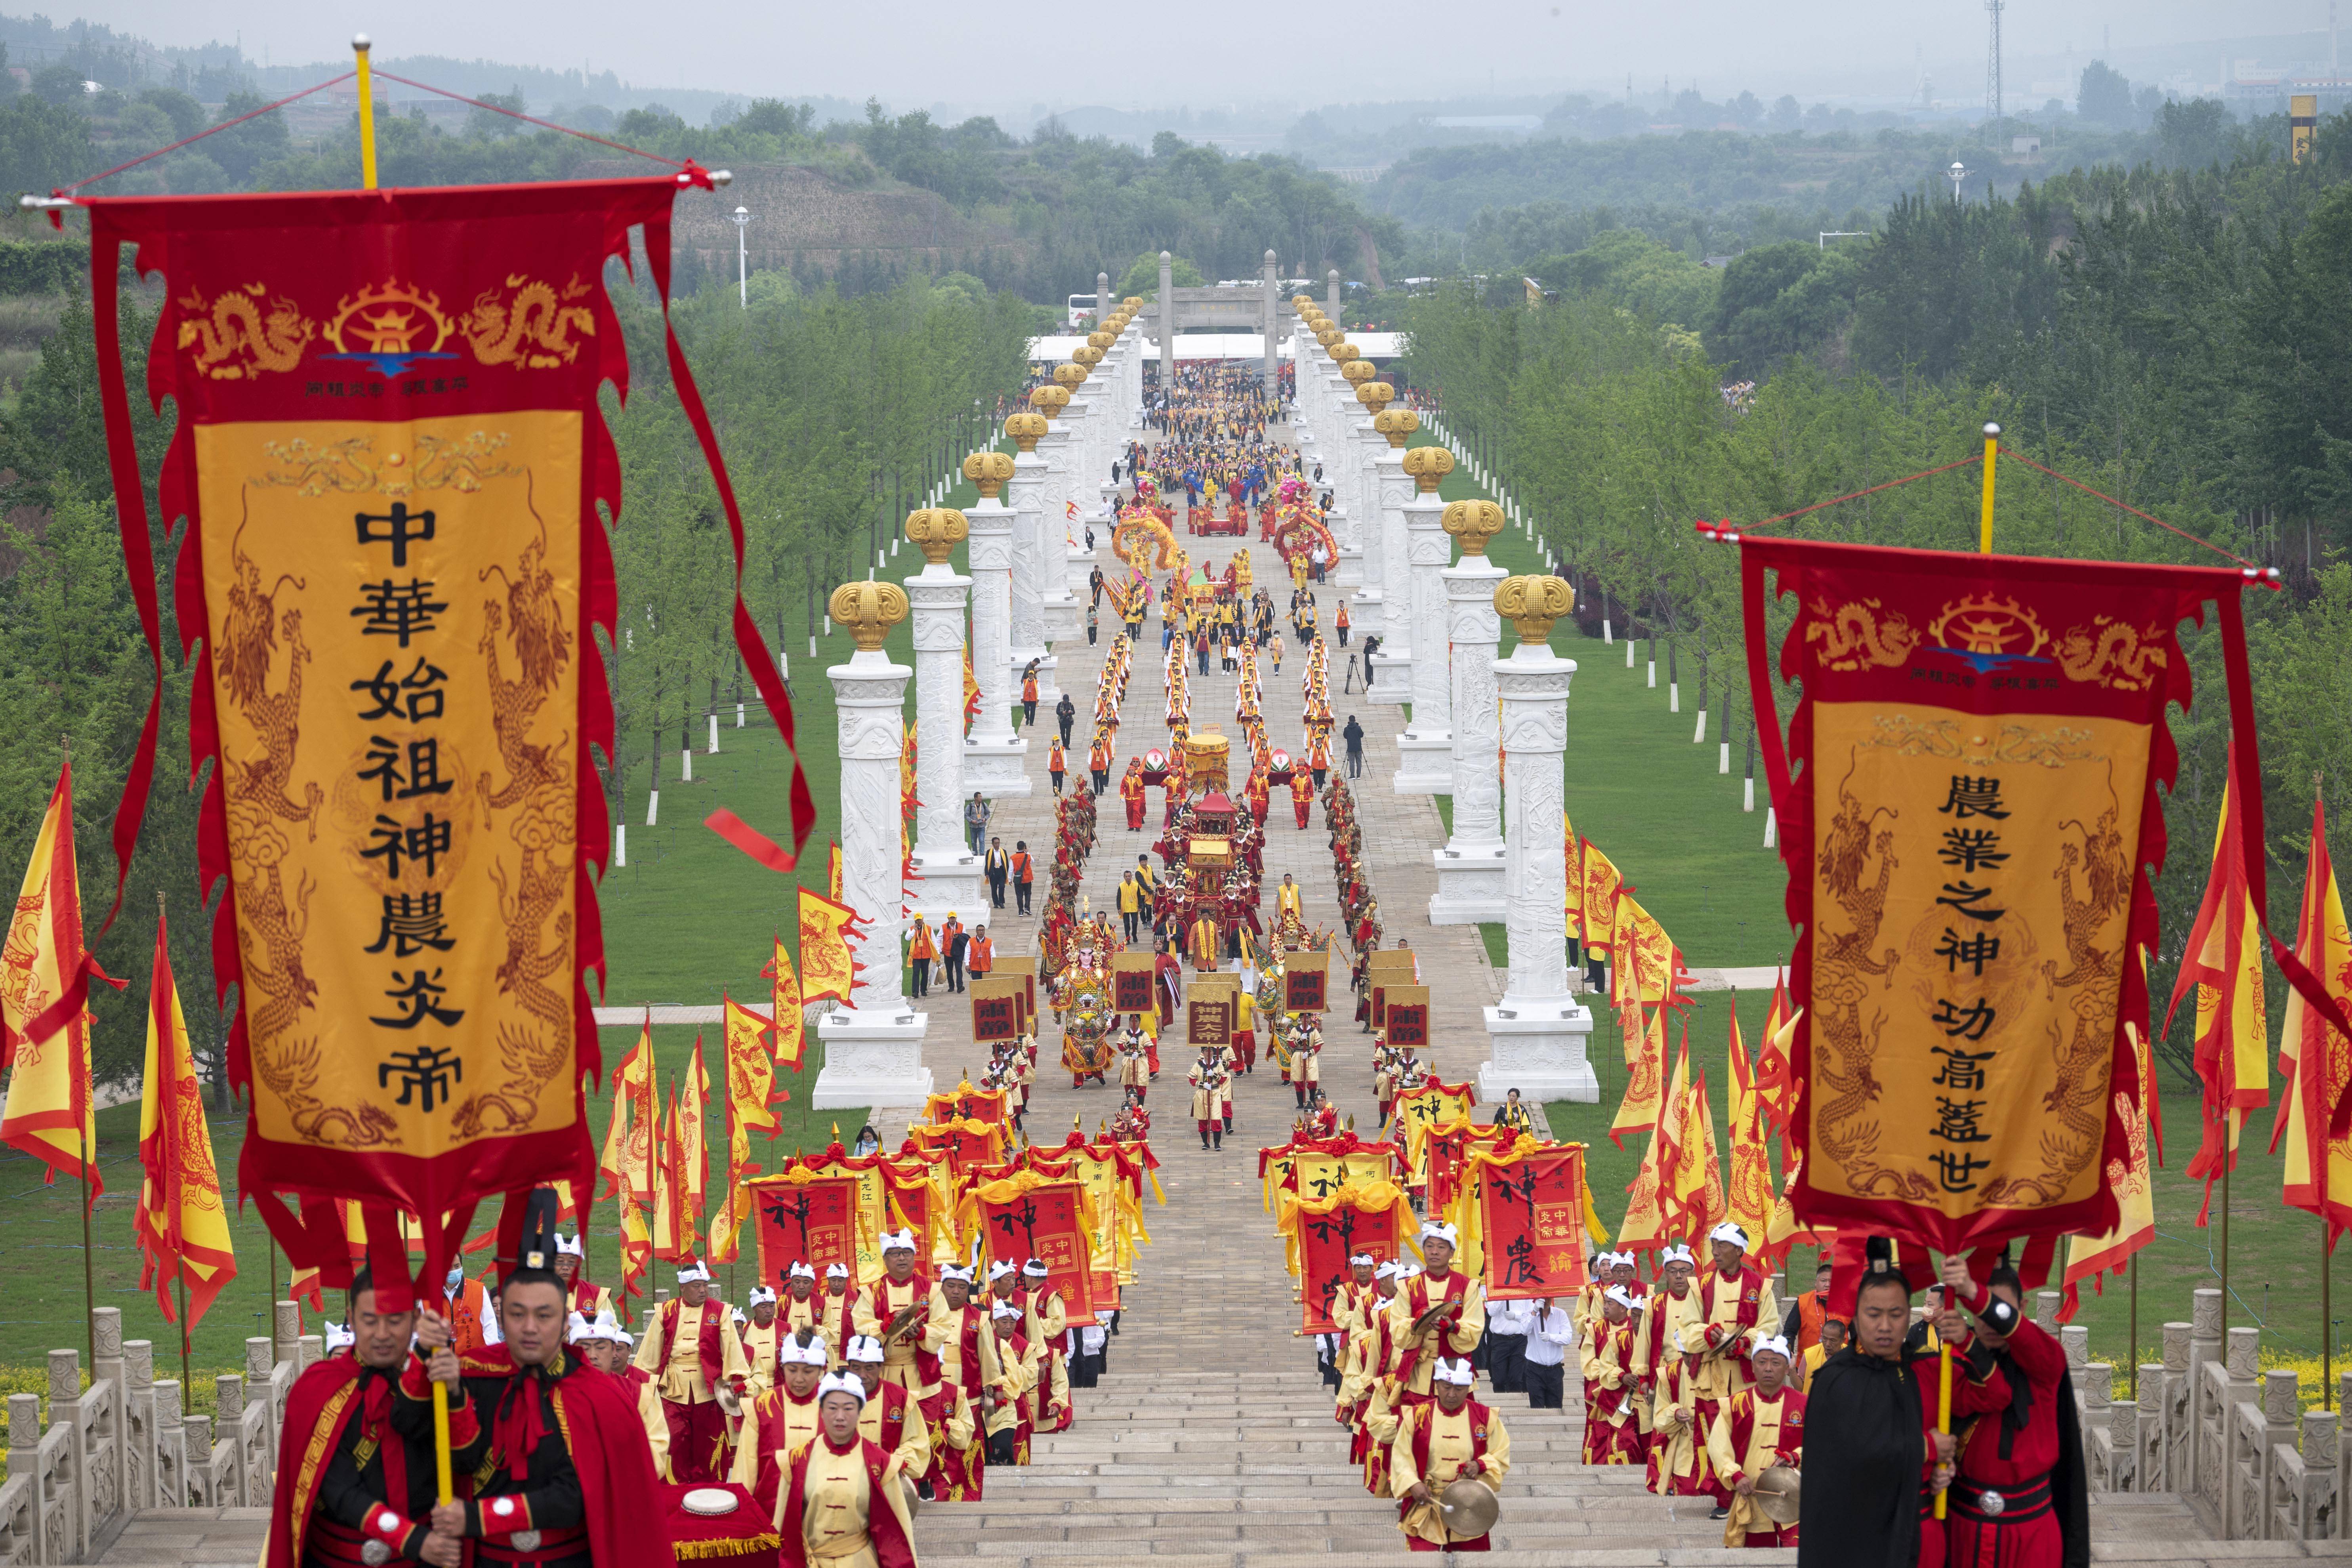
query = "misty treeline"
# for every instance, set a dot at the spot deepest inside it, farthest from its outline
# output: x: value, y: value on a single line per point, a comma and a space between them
x: 2180, y: 341
x: 835, y: 415
x: 1077, y: 206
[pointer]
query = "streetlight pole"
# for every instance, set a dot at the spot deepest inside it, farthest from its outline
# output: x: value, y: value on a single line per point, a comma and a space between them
x: 742, y: 220
x: 1956, y: 173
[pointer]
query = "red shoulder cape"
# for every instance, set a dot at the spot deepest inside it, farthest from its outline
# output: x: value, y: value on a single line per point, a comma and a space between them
x: 318, y: 1407
x: 615, y: 1461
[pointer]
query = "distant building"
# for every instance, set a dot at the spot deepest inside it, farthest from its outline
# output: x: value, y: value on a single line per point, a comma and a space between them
x: 2025, y: 143
x: 1715, y: 261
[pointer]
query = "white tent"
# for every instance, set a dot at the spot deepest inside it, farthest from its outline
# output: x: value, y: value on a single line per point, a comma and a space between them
x: 1219, y: 345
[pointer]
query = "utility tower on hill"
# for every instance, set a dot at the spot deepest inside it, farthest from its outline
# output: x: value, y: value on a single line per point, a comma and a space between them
x: 1992, y: 60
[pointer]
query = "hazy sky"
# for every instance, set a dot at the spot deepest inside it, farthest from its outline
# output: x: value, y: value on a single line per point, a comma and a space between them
x: 1225, y: 49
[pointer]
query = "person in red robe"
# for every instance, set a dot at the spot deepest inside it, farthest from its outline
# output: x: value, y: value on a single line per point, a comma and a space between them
x: 1302, y: 794
x: 573, y: 1471
x: 1131, y: 794
x: 376, y: 1403
x: 2021, y: 1498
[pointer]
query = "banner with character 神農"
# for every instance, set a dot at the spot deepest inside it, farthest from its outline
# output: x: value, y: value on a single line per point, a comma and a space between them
x: 389, y: 457
x: 1968, y: 810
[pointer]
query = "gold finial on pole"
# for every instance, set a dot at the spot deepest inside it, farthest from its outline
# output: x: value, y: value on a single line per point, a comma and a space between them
x: 869, y: 610
x: 1531, y: 604
x: 360, y: 51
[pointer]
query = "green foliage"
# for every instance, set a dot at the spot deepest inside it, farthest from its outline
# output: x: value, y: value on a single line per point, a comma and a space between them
x: 2104, y: 97
x: 1780, y: 299
x: 1142, y: 278
x: 29, y: 267
x: 1637, y: 272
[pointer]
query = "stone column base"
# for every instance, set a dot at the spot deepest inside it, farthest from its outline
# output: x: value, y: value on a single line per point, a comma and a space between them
x: 1077, y: 572
x: 1469, y: 887
x: 1394, y: 684
x: 1424, y: 762
x: 1049, y: 689
x: 1539, y: 1049
x: 872, y: 1056
x: 953, y: 883
x: 1066, y: 617
x: 997, y: 769
x: 1348, y: 572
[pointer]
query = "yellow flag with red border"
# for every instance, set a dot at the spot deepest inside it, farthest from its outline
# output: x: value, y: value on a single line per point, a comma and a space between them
x: 2223, y: 963
x: 2314, y: 1059
x: 182, y: 1223
x: 735, y: 1207
x: 833, y: 873
x: 751, y: 1070
x: 827, y: 928
x: 1748, y: 1192
x: 44, y: 1023
x: 1600, y: 883
x: 1644, y: 1029
x: 693, y: 1157
x: 1647, y: 1219
x: 1691, y: 1195
x: 789, y: 1034
x: 1574, y: 905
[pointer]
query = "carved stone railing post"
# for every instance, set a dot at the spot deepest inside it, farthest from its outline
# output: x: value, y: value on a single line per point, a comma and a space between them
x: 2045, y: 1311
x: 257, y: 1425
x: 2094, y: 1388
x: 171, y: 1435
x: 73, y: 1481
x: 139, y: 1424
x: 2149, y: 1474
x: 228, y: 1440
x: 2310, y: 1500
x: 285, y: 1330
x: 24, y: 1502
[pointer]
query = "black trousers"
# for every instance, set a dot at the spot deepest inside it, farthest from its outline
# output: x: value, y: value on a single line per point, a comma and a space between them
x: 955, y: 973
x: 1504, y: 1359
x: 1102, y: 780
x: 1022, y: 888
x: 1545, y: 1384
x: 1131, y: 919
x: 922, y: 976
x: 996, y: 889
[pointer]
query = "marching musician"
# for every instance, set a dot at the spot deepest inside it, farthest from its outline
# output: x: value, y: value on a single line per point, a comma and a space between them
x: 1440, y: 1440
x: 691, y: 1351
x: 1758, y: 1428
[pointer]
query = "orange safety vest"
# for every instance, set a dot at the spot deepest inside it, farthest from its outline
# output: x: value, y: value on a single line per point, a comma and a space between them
x: 1021, y: 867
x: 1056, y: 763
x: 923, y: 941
x: 983, y: 956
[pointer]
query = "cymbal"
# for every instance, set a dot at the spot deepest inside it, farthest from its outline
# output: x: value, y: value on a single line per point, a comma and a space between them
x: 1776, y: 1494
x: 1469, y: 1507
x: 914, y: 1497
x: 905, y: 1318
x: 1422, y: 1324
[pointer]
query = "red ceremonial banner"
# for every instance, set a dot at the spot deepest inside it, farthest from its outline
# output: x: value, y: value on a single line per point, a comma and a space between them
x: 390, y: 458
x: 1047, y: 1223
x: 1131, y: 983
x: 1325, y: 1242
x: 1533, y: 1212
x: 1407, y: 1019
x: 996, y: 1009
x: 813, y: 1222
x: 1304, y: 988
x: 1981, y: 741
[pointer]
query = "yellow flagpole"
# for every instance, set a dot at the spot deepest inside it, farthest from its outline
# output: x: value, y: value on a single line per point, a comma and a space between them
x: 1991, y: 431
x: 367, y: 127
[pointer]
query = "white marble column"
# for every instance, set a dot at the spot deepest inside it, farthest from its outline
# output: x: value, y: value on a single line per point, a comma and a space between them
x: 1426, y: 750
x: 1538, y: 1033
x: 873, y: 1049
x: 1030, y: 492
x: 1384, y: 479
x: 993, y: 754
x: 951, y: 873
x: 1063, y: 449
x: 1470, y: 868
x: 1165, y: 318
x: 1266, y: 316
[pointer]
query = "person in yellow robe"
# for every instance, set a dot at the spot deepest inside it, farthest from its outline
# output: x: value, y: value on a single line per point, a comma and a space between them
x: 1289, y: 900
x: 697, y: 1364
x: 902, y: 1293
x: 1006, y: 1402
x: 1757, y: 1429
x: 782, y: 1419
x: 1612, y: 1382
x: 1202, y: 941
x: 1447, y: 1437
x: 843, y: 1501
x: 891, y: 1418
x: 1453, y: 1335
x: 761, y: 1333
x: 1736, y: 1309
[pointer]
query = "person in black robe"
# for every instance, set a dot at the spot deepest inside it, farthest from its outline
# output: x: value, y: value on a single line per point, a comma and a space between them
x: 1865, y: 1441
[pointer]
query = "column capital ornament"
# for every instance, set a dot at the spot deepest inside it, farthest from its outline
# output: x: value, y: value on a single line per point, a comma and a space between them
x: 936, y: 531
x: 1531, y: 603
x: 1397, y: 423
x: 1027, y: 429
x: 1428, y: 465
x: 869, y: 610
x: 1474, y: 522
x: 989, y: 470
x: 1050, y: 399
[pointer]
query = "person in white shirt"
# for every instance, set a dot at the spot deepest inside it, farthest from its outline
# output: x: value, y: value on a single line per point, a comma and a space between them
x: 1550, y: 1332
x: 1506, y: 1340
